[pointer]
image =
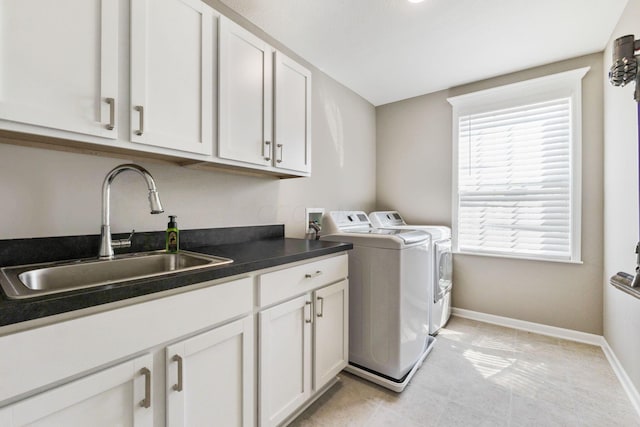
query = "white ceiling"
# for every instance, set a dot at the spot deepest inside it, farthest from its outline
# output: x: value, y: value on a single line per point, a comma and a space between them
x: 388, y: 50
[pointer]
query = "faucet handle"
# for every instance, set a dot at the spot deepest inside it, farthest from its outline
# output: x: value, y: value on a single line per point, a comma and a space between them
x: 123, y: 243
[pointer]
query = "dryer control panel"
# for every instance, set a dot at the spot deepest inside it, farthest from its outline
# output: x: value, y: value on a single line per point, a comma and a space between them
x: 386, y: 219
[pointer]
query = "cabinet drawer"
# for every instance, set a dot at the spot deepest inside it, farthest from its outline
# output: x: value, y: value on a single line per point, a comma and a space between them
x: 286, y: 283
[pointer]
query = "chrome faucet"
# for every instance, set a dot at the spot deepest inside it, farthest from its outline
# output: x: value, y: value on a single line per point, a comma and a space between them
x: 106, y: 244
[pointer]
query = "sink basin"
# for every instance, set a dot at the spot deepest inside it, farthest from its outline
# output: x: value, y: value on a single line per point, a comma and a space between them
x: 28, y: 281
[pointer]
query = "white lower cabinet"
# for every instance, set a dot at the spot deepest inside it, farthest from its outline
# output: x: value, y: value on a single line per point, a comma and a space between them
x: 285, y: 359
x: 209, y: 378
x: 303, y: 340
x: 218, y: 380
x: 120, y: 395
x: 209, y: 381
x: 203, y: 346
x: 331, y: 326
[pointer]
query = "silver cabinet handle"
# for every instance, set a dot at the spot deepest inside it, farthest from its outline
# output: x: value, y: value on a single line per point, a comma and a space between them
x: 176, y: 358
x: 146, y: 402
x: 320, y: 312
x: 312, y: 275
x: 266, y: 150
x: 140, y: 108
x: 307, y: 304
x: 112, y: 113
x: 281, y: 151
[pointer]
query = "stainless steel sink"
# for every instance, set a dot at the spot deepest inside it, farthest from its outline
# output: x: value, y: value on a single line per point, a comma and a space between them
x: 26, y: 281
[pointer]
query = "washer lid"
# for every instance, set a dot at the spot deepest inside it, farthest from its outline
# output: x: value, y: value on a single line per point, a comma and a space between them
x: 408, y: 236
x: 437, y: 232
x: 381, y: 238
x: 392, y: 219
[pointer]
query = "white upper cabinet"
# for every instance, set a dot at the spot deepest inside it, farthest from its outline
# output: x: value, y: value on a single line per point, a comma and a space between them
x: 172, y: 62
x: 264, y: 104
x: 193, y: 84
x: 59, y: 65
x: 292, y: 115
x: 245, y: 91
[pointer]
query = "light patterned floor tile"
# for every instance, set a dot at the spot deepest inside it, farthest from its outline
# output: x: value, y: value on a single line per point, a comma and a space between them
x: 486, y: 375
x: 384, y: 417
x: 457, y: 415
x: 535, y: 412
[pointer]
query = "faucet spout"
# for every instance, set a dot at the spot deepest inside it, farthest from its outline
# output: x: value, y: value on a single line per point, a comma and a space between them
x: 106, y: 245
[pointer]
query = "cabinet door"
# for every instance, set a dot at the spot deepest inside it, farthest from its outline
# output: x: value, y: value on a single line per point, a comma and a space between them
x: 331, y: 332
x: 292, y: 115
x: 172, y: 54
x: 115, y: 396
x: 210, y: 378
x: 285, y: 359
x: 245, y: 88
x: 59, y: 65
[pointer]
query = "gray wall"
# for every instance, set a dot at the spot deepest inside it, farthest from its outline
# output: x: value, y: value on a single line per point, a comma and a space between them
x: 53, y: 193
x: 414, y: 177
x: 621, y: 311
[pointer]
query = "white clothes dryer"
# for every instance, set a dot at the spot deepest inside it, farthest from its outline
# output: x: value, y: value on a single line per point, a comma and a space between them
x: 388, y: 301
x: 442, y: 263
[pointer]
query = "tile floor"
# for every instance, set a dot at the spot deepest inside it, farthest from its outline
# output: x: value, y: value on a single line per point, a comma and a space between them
x: 485, y: 375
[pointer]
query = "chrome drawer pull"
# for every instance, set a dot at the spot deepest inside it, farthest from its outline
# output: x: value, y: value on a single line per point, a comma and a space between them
x: 140, y: 108
x: 312, y: 275
x: 281, y: 153
x: 266, y: 151
x: 146, y: 402
x: 112, y: 113
x: 176, y: 358
x: 307, y: 303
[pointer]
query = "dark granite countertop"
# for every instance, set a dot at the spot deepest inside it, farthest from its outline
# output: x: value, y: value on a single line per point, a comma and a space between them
x: 251, y: 248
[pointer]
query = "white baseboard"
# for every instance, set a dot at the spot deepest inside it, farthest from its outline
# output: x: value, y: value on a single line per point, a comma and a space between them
x: 538, y: 328
x: 567, y: 334
x: 628, y: 386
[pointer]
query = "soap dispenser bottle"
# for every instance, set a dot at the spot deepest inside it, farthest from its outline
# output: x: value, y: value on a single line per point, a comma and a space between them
x: 173, y: 235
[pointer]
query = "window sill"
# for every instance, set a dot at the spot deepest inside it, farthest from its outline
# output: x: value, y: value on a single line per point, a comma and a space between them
x: 517, y: 257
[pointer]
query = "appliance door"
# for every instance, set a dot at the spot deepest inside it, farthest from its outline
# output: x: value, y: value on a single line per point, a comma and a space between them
x: 444, y: 270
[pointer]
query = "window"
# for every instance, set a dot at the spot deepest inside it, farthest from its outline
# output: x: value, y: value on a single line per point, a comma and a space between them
x: 517, y: 169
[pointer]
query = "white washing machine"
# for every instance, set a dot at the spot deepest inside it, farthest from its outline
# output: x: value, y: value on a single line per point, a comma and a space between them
x: 388, y: 300
x: 442, y: 263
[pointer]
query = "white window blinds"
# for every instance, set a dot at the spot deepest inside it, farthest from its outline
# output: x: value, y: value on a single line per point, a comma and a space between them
x: 517, y: 169
x: 514, y: 180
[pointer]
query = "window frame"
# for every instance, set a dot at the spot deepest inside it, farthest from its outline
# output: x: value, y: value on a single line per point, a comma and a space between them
x: 566, y: 84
